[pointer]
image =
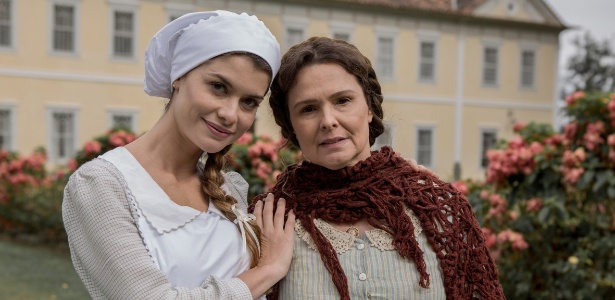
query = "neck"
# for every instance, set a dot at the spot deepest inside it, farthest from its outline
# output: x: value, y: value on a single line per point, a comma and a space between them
x: 165, y: 149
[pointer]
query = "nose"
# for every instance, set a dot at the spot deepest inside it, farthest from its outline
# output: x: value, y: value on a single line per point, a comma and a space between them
x: 328, y: 119
x: 228, y: 111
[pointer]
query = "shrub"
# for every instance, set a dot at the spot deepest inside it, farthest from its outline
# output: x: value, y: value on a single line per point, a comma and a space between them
x: 260, y: 159
x: 30, y: 197
x: 547, y: 207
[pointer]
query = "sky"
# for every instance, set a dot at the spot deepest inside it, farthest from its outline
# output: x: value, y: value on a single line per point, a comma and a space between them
x: 595, y: 16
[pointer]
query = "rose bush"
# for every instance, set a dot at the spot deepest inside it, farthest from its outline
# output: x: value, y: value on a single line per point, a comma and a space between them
x: 31, y: 196
x: 260, y: 159
x: 547, y: 206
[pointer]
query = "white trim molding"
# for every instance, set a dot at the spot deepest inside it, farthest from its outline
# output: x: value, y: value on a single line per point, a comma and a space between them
x: 11, y: 107
x: 132, y: 112
x: 41, y: 74
x: 76, y: 5
x: 128, y: 6
x: 418, y: 126
x: 391, y: 33
x: 13, y: 28
x: 62, y: 108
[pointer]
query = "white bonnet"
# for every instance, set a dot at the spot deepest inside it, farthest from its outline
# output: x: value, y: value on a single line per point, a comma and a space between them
x: 194, y: 38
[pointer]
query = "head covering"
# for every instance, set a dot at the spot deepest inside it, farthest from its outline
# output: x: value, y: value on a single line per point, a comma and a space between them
x: 194, y: 38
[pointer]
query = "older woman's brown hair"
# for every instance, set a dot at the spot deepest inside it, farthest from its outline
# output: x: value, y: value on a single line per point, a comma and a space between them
x: 319, y: 50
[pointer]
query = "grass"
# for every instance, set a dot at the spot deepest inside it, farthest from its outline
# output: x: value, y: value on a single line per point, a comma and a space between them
x: 37, y: 272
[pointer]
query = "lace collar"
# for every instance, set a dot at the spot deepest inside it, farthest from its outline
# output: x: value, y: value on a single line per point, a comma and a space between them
x: 343, y: 241
x: 155, y: 205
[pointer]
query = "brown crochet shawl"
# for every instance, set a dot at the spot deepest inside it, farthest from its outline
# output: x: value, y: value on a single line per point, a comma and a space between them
x: 378, y: 188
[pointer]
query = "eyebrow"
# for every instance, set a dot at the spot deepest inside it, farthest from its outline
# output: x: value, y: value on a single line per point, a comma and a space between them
x: 334, y: 95
x: 227, y: 82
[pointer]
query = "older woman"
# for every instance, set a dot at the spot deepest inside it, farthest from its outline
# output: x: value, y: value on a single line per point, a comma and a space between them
x: 369, y: 226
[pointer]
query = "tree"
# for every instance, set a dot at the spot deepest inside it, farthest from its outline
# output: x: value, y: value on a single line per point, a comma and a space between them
x: 592, y: 68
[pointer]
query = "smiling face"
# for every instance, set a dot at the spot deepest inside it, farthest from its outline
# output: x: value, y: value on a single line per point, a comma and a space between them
x: 215, y: 103
x: 330, y: 116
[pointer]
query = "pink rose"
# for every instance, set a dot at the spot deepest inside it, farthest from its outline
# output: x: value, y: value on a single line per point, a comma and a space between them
x: 533, y: 204
x: 518, y: 126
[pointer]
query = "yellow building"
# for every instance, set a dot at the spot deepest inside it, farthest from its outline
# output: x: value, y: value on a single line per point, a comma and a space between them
x: 456, y: 74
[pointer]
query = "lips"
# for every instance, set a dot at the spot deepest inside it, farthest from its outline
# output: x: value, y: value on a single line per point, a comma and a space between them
x: 331, y: 141
x: 218, y: 130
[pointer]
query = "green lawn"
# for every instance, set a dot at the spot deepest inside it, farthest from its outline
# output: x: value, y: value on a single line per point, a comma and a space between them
x: 36, y: 272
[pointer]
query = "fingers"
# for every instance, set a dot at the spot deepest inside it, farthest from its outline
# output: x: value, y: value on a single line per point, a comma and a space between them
x: 289, y: 227
x: 258, y: 213
x: 414, y: 165
x: 278, y: 219
x: 268, y: 212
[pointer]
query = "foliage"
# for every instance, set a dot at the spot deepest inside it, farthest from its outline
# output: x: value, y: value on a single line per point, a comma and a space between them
x: 260, y: 159
x: 592, y: 68
x: 31, y: 196
x: 547, y: 207
x: 112, y: 139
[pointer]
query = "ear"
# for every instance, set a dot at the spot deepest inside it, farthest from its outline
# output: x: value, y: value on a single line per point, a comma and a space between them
x: 370, y: 116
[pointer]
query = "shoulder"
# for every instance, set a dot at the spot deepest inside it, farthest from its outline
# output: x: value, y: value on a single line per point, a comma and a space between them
x: 93, y: 171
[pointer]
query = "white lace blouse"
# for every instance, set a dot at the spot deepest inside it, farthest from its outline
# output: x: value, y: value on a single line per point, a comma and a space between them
x: 128, y: 240
x: 185, y: 244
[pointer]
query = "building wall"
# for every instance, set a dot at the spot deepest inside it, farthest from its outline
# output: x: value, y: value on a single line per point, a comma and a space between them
x: 91, y: 82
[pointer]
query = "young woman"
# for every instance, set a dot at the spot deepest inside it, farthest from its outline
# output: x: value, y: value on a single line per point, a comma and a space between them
x: 369, y: 226
x: 153, y: 220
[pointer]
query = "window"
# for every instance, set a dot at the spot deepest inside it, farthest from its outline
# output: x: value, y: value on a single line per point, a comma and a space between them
x: 528, y: 68
x: 342, y: 30
x: 123, y: 119
x: 6, y: 23
x: 488, y: 138
x: 293, y: 36
x: 385, y: 139
x: 6, y: 129
x: 344, y: 36
x: 384, y: 57
x: 490, y: 66
x: 424, y: 145
x: 176, y: 10
x: 123, y: 33
x: 62, y: 134
x: 63, y: 28
x: 427, y: 65
x: 294, y: 32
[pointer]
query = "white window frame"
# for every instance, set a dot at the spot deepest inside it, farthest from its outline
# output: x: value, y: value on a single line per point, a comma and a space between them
x: 132, y: 112
x: 12, y: 30
x: 294, y: 23
x: 76, y: 4
x: 417, y: 149
x: 427, y: 37
x: 339, y: 27
x: 481, y: 151
x: 129, y: 6
x: 494, y: 44
x: 533, y: 49
x: 389, y: 130
x: 51, y: 146
x: 390, y: 33
x: 11, y: 143
x: 176, y: 10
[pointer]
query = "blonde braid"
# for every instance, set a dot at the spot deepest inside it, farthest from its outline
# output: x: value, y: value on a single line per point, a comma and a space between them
x: 212, y: 182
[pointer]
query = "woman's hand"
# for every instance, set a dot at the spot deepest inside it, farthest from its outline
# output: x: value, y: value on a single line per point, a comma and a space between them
x: 277, y: 240
x: 277, y: 235
x: 418, y: 168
